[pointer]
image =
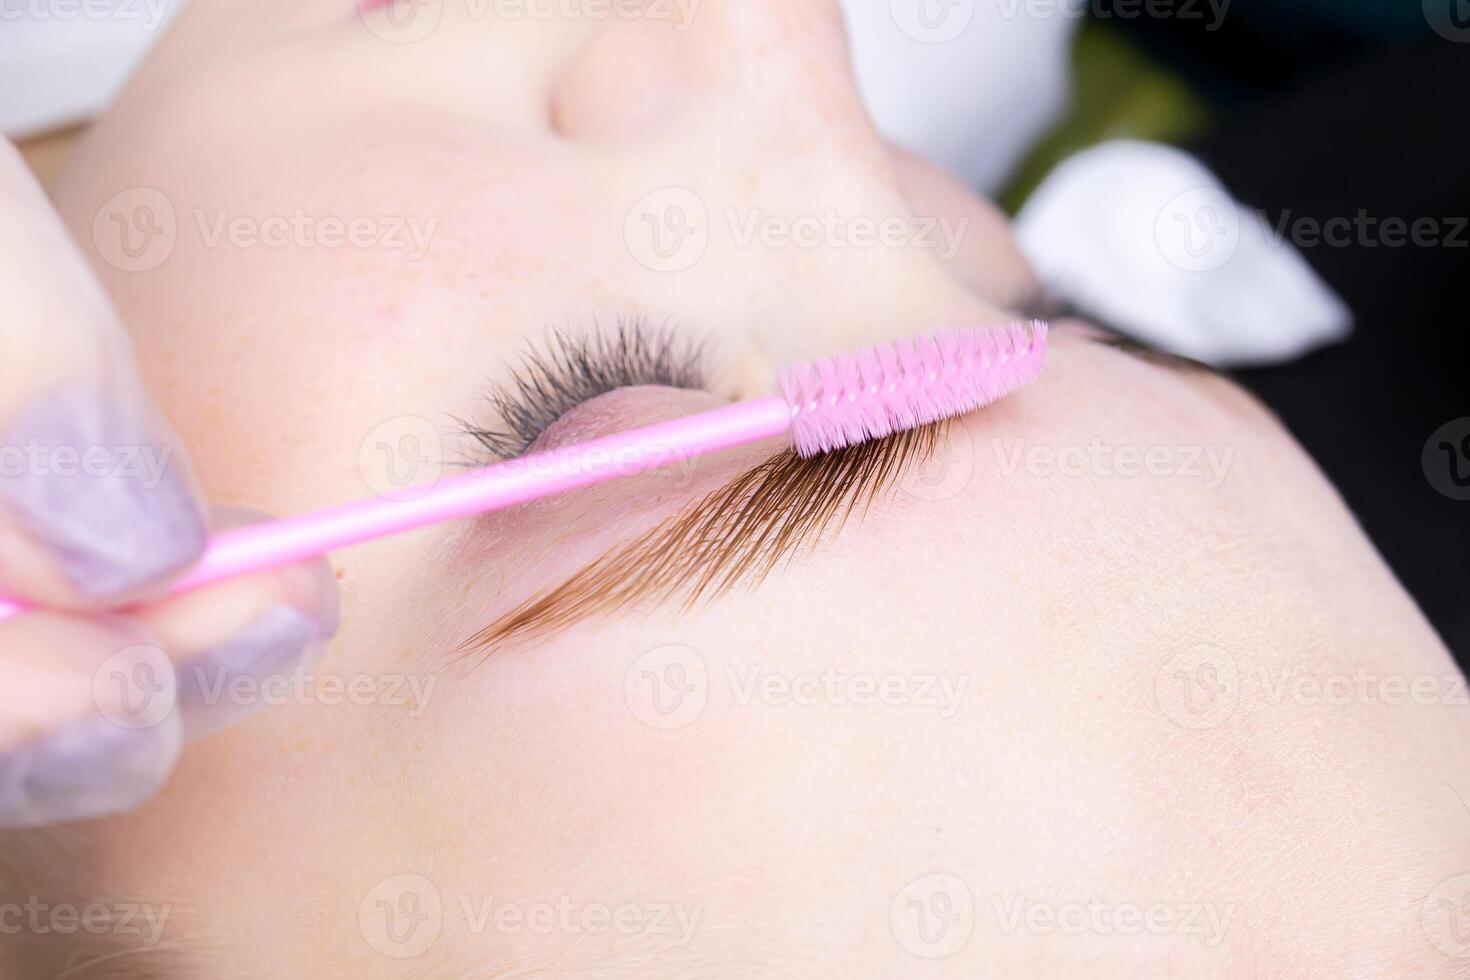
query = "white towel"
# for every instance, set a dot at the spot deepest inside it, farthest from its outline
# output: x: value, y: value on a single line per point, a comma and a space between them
x: 969, y: 85
x: 63, y: 61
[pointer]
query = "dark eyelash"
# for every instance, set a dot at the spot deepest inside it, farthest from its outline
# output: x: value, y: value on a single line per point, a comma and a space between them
x: 1041, y: 305
x: 570, y: 369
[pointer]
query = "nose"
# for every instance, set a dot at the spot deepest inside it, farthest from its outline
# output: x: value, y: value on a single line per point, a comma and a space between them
x: 781, y: 61
x: 757, y: 182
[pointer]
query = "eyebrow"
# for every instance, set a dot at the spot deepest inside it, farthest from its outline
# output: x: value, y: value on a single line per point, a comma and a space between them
x: 733, y: 537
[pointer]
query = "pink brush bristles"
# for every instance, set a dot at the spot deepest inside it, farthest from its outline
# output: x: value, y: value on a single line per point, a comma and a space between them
x: 880, y: 390
x: 823, y: 406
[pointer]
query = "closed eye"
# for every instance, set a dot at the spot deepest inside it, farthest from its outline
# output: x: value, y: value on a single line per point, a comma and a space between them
x: 1042, y: 306
x: 573, y: 368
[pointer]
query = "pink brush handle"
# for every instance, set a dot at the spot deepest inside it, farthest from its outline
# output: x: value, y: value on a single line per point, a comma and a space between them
x: 518, y: 481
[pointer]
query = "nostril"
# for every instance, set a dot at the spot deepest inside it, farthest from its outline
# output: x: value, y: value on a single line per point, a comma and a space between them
x: 622, y: 85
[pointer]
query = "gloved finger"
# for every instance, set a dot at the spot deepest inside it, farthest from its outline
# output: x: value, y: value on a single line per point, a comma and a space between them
x: 87, y: 719
x: 94, y: 711
x: 97, y: 502
x: 238, y: 645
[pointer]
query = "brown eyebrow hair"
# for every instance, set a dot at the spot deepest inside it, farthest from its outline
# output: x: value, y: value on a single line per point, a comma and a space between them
x: 735, y: 536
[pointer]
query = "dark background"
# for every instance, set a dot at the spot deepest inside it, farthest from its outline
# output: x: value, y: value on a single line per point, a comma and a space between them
x: 1327, y: 110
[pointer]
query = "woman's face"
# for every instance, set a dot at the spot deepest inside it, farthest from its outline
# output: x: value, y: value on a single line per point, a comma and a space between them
x: 1055, y: 665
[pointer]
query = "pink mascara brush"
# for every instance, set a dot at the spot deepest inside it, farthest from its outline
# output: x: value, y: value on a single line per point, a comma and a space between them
x: 822, y: 406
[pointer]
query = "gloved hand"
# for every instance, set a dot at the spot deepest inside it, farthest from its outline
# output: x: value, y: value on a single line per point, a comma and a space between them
x: 98, y: 509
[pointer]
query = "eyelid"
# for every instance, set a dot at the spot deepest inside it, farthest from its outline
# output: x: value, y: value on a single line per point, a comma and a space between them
x: 620, y: 410
x: 734, y: 536
x: 1153, y: 355
x: 571, y: 369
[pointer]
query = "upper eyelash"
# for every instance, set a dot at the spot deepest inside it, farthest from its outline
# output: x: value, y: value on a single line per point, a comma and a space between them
x: 570, y: 369
x: 1041, y: 305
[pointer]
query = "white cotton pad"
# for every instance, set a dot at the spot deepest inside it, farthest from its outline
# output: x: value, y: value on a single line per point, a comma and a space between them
x: 1146, y: 238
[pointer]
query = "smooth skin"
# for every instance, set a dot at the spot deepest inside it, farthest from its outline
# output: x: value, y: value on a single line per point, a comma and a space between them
x: 1069, y: 702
